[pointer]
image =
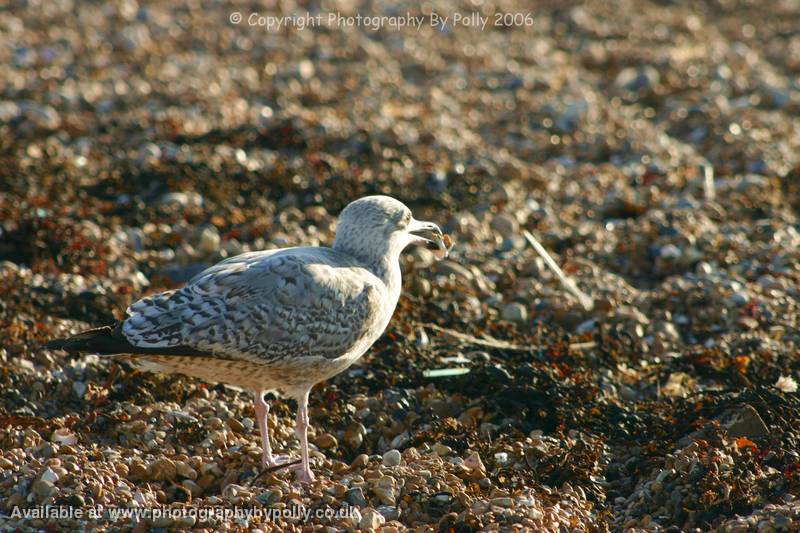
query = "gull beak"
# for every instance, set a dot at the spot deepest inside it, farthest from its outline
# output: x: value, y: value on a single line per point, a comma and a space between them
x: 430, y: 235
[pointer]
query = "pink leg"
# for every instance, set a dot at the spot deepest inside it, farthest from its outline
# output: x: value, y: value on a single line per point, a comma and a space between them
x: 304, y: 473
x: 262, y: 411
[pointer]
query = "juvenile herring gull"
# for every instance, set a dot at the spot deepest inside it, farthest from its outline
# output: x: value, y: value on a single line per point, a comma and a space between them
x: 279, y: 320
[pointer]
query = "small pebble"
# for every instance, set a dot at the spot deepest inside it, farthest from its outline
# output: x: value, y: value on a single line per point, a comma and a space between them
x: 392, y: 458
x: 515, y: 312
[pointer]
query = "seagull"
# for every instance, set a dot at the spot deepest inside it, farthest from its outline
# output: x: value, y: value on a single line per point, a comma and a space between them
x: 276, y: 321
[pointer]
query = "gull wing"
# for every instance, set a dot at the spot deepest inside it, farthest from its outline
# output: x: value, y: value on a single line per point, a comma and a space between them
x: 265, y: 305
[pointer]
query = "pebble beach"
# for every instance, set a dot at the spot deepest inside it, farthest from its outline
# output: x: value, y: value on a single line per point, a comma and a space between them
x: 652, y: 148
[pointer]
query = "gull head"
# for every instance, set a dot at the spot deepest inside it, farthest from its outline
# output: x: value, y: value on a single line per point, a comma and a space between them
x: 376, y: 228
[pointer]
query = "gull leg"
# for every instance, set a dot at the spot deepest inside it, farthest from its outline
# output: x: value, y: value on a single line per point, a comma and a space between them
x: 304, y: 473
x: 269, y: 462
x: 262, y: 411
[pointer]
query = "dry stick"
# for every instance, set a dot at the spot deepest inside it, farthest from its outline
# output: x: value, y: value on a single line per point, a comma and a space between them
x: 586, y: 302
x: 490, y: 342
x: 708, y: 181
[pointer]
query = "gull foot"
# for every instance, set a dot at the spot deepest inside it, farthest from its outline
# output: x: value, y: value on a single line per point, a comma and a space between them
x: 276, y: 462
x: 304, y: 475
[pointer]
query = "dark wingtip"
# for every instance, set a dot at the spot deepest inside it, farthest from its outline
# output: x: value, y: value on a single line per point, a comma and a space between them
x: 109, y: 340
x: 97, y: 339
x: 55, y: 344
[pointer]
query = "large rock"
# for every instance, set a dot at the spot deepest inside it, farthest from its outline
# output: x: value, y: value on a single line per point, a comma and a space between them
x: 745, y: 422
x: 163, y: 469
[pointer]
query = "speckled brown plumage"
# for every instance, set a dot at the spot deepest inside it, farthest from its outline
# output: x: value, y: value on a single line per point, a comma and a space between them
x: 277, y: 320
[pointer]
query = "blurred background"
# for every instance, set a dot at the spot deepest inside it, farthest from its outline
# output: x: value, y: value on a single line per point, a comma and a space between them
x: 652, y: 147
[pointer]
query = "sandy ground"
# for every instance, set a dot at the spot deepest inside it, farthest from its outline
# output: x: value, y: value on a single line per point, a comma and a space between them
x: 651, y: 146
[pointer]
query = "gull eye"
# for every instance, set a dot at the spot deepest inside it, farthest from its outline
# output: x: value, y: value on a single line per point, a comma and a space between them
x: 405, y: 219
